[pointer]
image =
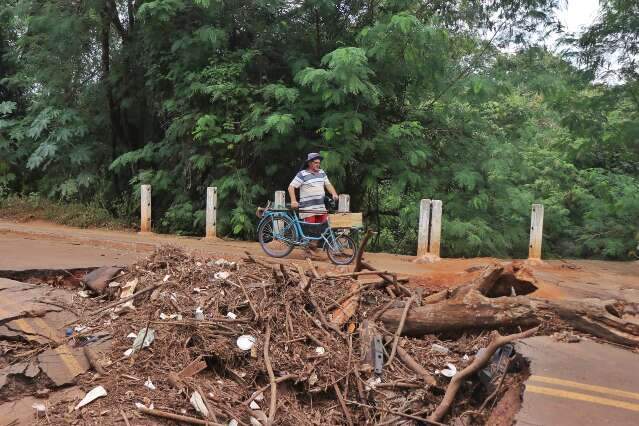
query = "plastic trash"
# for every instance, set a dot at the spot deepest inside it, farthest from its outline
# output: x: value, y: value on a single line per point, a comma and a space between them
x: 132, y: 335
x: 149, y: 384
x: 320, y: 350
x: 150, y: 336
x: 199, y: 314
x: 231, y: 315
x: 83, y: 293
x: 166, y: 278
x: 198, y: 403
x: 233, y: 422
x: 450, y: 371
x: 93, y: 394
x: 439, y: 348
x: 40, y: 409
x: 221, y: 275
x: 245, y: 342
x: 254, y: 405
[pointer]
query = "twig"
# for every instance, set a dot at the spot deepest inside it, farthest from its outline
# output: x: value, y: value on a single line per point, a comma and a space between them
x: 315, y: 340
x: 383, y: 309
x: 360, y: 251
x: 340, y: 397
x: 250, y: 302
x: 455, y: 383
x: 415, y: 366
x: 357, y: 274
x: 269, y: 368
x: 316, y: 274
x: 206, y: 404
x: 126, y: 299
x: 304, y: 282
x: 126, y: 419
x: 399, y: 330
x: 397, y: 413
x: 265, y: 387
x: 177, y: 417
x: 323, y: 319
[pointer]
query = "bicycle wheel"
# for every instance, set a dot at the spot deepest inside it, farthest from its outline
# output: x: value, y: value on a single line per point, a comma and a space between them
x: 343, y: 251
x: 274, y: 234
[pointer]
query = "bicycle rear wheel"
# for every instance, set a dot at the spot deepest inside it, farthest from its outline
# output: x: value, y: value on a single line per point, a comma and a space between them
x: 343, y: 251
x: 273, y: 233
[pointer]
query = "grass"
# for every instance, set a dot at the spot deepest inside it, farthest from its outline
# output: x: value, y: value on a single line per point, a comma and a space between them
x: 34, y: 207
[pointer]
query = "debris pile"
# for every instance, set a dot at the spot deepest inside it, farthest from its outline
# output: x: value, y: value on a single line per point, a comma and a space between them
x: 177, y: 338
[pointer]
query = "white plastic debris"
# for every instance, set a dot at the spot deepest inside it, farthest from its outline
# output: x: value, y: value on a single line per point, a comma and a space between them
x: 245, y: 342
x: 199, y: 314
x: 149, y: 384
x: 139, y: 405
x: 128, y: 352
x: 198, y: 403
x: 39, y: 407
x: 233, y: 422
x: 313, y: 379
x: 254, y: 405
x: 465, y: 358
x: 222, y: 275
x: 198, y: 263
x: 197, y: 289
x: 150, y: 336
x: 439, y: 348
x: 231, y: 315
x: 320, y: 350
x: 166, y: 278
x: 83, y: 293
x: 372, y: 383
x: 114, y: 284
x: 79, y: 328
x: 450, y: 371
x: 259, y: 397
x: 93, y: 394
x: 164, y: 316
x: 132, y: 335
x: 127, y: 291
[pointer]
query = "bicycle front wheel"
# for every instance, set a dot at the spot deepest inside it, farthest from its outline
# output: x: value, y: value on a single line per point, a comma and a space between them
x: 276, y: 235
x: 342, y: 251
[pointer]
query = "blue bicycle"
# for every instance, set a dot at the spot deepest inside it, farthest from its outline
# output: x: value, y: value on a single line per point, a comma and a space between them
x: 281, y: 230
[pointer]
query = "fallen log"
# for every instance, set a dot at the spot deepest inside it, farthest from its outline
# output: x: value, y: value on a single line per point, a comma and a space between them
x: 473, y: 311
x: 604, y: 319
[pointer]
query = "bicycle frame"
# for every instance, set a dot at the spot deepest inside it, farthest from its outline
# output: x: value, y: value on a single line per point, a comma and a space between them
x: 328, y: 235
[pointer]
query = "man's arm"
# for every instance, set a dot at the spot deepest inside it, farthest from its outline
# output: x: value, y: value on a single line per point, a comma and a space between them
x: 291, y: 194
x: 330, y: 188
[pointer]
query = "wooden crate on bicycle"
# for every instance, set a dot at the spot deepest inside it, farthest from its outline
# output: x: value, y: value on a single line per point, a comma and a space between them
x: 346, y: 220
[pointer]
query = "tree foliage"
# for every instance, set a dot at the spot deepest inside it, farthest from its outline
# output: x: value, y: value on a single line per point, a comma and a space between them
x: 406, y: 100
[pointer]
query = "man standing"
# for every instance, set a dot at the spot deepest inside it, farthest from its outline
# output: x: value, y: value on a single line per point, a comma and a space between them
x: 311, y: 181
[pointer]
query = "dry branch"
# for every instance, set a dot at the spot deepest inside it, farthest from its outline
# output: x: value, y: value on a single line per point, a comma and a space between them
x: 479, y: 362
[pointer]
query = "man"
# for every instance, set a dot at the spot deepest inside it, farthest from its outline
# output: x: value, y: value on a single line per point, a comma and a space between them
x: 311, y: 181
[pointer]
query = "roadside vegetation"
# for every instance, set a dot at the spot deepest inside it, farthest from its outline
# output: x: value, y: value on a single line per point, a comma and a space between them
x: 453, y: 100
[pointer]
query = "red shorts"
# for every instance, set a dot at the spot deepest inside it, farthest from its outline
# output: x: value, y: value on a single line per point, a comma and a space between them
x: 318, y: 218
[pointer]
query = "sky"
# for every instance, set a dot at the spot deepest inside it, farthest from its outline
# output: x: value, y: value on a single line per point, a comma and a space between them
x: 578, y: 13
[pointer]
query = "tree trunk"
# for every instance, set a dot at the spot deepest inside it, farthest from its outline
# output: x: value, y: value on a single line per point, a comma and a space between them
x: 605, y: 319
x: 472, y: 311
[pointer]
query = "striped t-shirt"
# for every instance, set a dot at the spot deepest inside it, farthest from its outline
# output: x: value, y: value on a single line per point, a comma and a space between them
x: 311, y: 186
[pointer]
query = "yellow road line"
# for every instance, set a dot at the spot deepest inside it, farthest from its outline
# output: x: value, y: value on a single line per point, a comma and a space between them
x: 582, y: 397
x: 67, y: 357
x: 584, y: 386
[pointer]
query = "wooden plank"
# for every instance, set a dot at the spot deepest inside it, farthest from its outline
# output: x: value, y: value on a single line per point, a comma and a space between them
x: 211, y: 212
x: 424, y: 227
x: 346, y: 220
x: 145, y: 208
x: 536, y: 231
x: 344, y: 205
x: 435, y: 227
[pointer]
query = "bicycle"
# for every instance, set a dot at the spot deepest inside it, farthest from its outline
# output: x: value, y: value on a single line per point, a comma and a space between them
x: 281, y: 230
